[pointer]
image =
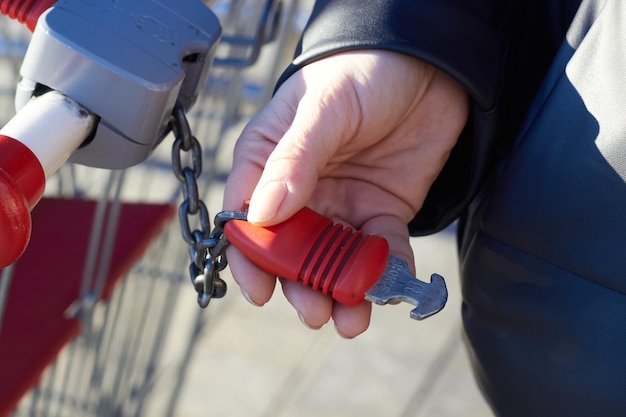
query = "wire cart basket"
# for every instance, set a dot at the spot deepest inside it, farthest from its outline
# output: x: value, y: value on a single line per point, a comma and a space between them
x: 99, y: 309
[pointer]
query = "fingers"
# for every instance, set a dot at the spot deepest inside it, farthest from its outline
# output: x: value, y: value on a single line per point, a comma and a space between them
x: 292, y: 169
x: 253, y: 148
x: 273, y: 152
x: 256, y: 285
x: 316, y: 309
x: 280, y: 153
x: 396, y: 232
x: 352, y: 321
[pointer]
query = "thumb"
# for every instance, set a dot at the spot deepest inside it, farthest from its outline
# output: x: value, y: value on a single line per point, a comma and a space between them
x: 292, y: 170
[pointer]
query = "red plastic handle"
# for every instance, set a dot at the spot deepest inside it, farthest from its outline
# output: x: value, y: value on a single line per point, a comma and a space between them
x: 311, y: 249
x: 25, y: 11
x: 22, y: 183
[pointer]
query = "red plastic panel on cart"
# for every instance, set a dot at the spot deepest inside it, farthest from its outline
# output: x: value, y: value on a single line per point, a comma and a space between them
x: 47, y: 279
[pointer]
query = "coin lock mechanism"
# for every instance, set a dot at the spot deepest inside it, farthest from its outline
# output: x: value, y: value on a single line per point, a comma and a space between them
x: 128, y: 62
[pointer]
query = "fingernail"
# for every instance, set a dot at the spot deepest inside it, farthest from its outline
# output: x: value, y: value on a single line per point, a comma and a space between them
x: 266, y: 201
x: 307, y: 325
x: 247, y: 297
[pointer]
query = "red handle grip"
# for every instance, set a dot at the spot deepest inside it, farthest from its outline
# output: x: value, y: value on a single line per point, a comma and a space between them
x: 22, y: 183
x: 25, y: 11
x: 311, y: 249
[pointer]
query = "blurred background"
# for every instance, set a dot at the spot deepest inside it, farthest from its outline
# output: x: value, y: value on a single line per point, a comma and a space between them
x: 149, y: 350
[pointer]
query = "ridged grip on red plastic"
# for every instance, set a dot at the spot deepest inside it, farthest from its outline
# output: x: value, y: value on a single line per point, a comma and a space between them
x: 311, y: 249
x: 22, y: 183
x: 25, y: 11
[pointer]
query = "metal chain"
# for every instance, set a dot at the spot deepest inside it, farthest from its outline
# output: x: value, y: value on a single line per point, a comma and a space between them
x: 206, y: 248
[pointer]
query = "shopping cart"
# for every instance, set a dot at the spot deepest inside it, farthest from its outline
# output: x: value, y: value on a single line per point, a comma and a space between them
x: 87, y: 312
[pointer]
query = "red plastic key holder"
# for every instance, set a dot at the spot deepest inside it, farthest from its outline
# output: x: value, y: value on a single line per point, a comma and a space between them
x: 311, y: 249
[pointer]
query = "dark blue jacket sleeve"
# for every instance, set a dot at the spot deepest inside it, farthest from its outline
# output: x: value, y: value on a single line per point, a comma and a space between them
x: 460, y: 37
x: 499, y: 50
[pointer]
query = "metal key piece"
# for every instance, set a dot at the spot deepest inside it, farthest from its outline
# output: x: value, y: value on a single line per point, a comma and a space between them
x: 398, y: 284
x: 345, y: 263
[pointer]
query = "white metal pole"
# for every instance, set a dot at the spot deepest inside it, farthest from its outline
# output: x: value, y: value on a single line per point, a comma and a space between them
x: 52, y: 126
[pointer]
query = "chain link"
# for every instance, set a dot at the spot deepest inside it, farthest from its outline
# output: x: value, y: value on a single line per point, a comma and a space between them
x: 206, y: 248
